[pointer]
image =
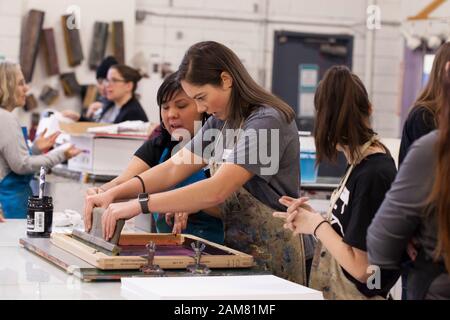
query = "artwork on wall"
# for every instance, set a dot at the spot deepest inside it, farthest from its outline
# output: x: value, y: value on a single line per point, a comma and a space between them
x: 118, y: 38
x: 49, y: 51
x: 35, y: 38
x: 29, y: 42
x: 98, y: 44
x: 49, y: 95
x: 72, y: 41
x: 70, y: 84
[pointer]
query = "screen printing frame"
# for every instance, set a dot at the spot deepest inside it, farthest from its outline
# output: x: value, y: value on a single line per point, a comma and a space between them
x: 231, y: 259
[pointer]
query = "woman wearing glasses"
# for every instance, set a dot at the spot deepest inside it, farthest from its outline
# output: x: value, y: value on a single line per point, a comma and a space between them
x: 121, y: 83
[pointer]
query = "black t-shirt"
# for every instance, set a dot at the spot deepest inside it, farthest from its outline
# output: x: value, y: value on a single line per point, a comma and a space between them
x: 151, y: 151
x: 420, y: 122
x: 354, y: 210
x: 130, y: 111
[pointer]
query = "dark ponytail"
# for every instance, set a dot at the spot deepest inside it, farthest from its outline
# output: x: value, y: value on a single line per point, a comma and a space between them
x: 342, y: 114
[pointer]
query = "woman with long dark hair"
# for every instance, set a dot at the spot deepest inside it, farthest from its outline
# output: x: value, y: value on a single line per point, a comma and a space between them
x: 418, y: 206
x: 340, y: 268
x: 251, y: 146
x: 422, y: 119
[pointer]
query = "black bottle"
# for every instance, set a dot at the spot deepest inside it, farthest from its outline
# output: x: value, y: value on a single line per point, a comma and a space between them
x: 39, y: 217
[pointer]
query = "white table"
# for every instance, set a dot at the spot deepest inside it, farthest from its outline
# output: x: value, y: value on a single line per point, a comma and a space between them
x: 24, y: 275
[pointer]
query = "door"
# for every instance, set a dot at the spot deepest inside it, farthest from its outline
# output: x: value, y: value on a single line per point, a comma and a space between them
x: 299, y: 62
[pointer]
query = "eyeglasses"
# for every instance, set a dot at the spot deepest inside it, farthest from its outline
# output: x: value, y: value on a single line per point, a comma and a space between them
x: 113, y: 81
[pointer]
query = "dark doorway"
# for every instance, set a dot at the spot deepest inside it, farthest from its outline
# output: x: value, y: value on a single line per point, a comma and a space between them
x: 299, y: 62
x: 306, y: 56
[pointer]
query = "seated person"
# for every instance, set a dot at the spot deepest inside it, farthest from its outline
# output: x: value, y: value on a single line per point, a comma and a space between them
x: 121, y: 84
x: 95, y: 109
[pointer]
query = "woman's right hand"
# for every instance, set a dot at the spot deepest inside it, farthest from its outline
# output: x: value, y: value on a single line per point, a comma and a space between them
x: 71, y: 152
x: 45, y: 143
x: 101, y: 200
x: 94, y: 190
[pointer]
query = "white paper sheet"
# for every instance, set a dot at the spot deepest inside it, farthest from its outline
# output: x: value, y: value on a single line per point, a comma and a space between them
x: 256, y: 287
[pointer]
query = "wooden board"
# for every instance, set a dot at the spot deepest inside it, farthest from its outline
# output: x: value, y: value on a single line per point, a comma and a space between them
x: 90, y: 95
x: 70, y: 84
x: 49, y: 51
x: 72, y: 41
x: 29, y: 42
x: 216, y: 256
x: 73, y: 265
x: 118, y: 38
x: 49, y: 95
x: 98, y: 44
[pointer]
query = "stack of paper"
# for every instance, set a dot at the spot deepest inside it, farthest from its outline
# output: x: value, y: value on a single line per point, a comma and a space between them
x: 260, y: 287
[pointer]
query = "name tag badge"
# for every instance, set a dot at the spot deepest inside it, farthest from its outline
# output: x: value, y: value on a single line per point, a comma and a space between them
x: 226, y: 154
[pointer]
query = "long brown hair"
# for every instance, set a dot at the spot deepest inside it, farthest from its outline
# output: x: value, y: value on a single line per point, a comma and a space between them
x: 204, y: 63
x: 342, y: 114
x: 440, y: 195
x: 432, y: 95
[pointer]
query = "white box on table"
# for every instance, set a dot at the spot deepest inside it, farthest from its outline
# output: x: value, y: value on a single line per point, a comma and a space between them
x: 104, y: 154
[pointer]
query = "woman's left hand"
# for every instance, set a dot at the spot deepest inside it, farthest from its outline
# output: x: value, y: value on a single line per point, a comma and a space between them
x: 43, y: 143
x: 2, y: 218
x: 300, y: 217
x: 117, y: 211
x: 180, y: 222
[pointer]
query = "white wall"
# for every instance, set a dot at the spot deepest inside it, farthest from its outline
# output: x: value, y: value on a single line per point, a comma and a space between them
x: 165, y: 39
x: 11, y: 13
x: 10, y: 21
x: 253, y: 42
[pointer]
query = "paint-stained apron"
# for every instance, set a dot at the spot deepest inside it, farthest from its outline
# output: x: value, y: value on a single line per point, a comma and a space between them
x: 250, y: 227
x: 326, y: 273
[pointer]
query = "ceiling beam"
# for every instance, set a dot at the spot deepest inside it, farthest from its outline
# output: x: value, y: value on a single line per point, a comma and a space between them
x: 425, y: 12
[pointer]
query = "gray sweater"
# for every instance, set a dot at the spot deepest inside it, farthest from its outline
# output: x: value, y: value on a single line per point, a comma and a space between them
x: 402, y: 214
x: 14, y: 155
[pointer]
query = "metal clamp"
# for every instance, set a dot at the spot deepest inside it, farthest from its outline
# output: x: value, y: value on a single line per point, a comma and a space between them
x: 150, y: 267
x: 198, y: 268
